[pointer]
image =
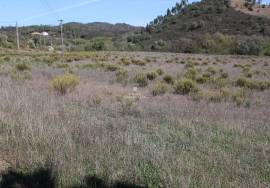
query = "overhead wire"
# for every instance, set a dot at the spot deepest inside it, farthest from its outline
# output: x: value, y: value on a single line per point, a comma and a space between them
x: 54, y: 11
x: 48, y: 6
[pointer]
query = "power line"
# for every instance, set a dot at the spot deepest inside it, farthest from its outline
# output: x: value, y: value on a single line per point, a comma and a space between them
x: 60, y: 10
x: 49, y: 7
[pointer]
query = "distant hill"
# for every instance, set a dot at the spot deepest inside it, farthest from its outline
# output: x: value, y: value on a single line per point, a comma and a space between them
x: 193, y: 27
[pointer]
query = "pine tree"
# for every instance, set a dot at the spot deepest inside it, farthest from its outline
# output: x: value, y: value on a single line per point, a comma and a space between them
x: 169, y: 13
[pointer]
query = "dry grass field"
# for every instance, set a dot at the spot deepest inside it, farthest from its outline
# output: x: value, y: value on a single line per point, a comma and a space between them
x: 148, y: 119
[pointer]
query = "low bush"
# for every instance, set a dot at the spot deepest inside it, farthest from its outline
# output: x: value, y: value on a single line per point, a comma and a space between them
x: 160, y: 72
x: 141, y: 80
x: 159, y: 89
x: 185, y: 86
x: 151, y: 75
x: 6, y: 58
x: 201, y: 80
x: 49, y: 60
x: 92, y: 65
x: 224, y: 75
x: 248, y: 74
x: 23, y: 67
x: 124, y: 61
x: 205, y: 63
x: 225, y: 91
x: 211, y: 70
x: 189, y: 64
x: 62, y: 65
x: 121, y: 75
x: 96, y: 100
x: 239, y: 97
x: 138, y: 62
x: 111, y: 67
x: 64, y: 83
x: 148, y: 60
x: 191, y: 73
x: 20, y: 75
x: 168, y: 79
x: 241, y: 82
x: 252, y: 84
x: 206, y: 76
x: 218, y: 82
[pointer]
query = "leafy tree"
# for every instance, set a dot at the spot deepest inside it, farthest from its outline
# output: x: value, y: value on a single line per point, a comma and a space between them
x: 169, y: 13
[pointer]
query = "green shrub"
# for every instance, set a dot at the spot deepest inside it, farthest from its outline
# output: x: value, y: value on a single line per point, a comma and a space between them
x: 182, y: 62
x: 124, y: 61
x: 198, y: 96
x: 92, y: 65
x: 251, y: 84
x: 246, y: 69
x: 218, y: 82
x: 96, y: 100
x: 248, y: 74
x: 205, y: 63
x: 49, y: 60
x: 168, y: 79
x: 241, y: 82
x: 191, y: 73
x: 159, y: 89
x: 239, y: 97
x: 121, y: 75
x: 225, y: 91
x: 6, y: 58
x: 201, y: 80
x: 148, y: 60
x: 189, y: 64
x: 211, y: 70
x: 20, y: 75
x: 141, y: 80
x: 224, y: 75
x: 206, y: 76
x: 138, y: 62
x: 160, y: 72
x: 185, y: 86
x: 62, y: 65
x: 64, y: 83
x: 151, y: 75
x: 23, y: 67
x: 112, y: 67
x: 248, y: 46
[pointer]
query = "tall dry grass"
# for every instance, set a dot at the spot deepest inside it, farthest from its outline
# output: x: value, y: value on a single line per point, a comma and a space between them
x: 169, y: 143
x: 164, y: 141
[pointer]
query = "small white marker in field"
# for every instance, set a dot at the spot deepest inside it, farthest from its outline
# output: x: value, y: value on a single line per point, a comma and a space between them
x: 135, y: 89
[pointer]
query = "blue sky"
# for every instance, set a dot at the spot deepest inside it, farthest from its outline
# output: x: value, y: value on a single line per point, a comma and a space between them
x: 135, y: 12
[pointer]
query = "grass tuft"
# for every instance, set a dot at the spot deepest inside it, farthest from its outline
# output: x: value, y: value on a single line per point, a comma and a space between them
x: 185, y: 86
x: 64, y: 83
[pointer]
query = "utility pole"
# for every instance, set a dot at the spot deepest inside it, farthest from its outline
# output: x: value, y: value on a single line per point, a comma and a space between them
x: 62, y: 38
x: 17, y: 34
x: 75, y: 39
